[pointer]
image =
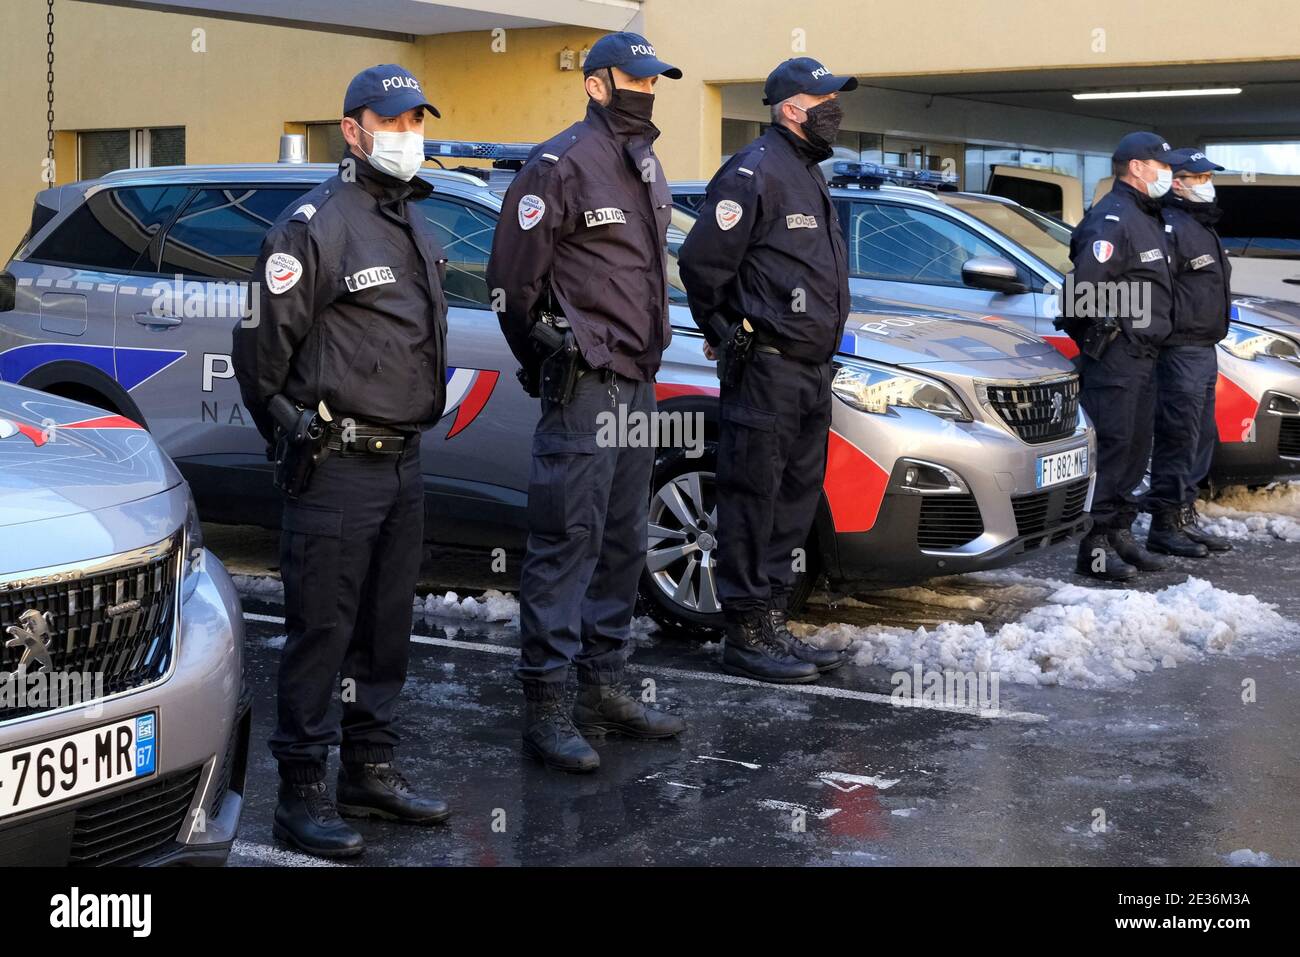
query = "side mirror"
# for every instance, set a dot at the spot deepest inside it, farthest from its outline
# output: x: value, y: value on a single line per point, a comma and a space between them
x: 993, y: 273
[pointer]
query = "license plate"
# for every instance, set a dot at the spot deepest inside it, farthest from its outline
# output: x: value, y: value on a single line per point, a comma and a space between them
x: 49, y: 772
x: 1062, y: 466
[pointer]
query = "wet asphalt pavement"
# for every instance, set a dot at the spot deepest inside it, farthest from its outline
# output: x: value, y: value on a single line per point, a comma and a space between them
x: 1177, y: 768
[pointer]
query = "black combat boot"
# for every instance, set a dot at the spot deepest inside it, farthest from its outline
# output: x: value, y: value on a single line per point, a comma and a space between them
x: 1122, y: 540
x: 608, y: 708
x: 751, y: 650
x: 1097, y: 559
x: 549, y: 734
x: 1166, y: 537
x: 824, y: 659
x: 1191, y: 525
x: 307, y: 819
x: 380, y: 790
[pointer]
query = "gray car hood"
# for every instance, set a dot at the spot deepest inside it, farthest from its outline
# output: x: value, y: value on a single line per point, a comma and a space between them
x: 59, y: 458
x: 1267, y: 313
x: 985, y: 345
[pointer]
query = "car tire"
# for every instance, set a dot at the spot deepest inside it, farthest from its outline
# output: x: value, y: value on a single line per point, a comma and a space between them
x: 661, y: 595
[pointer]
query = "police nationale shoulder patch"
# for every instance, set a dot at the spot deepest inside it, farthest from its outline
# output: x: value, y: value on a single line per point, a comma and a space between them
x: 1102, y: 250
x: 728, y: 213
x: 282, y: 272
x: 531, y: 210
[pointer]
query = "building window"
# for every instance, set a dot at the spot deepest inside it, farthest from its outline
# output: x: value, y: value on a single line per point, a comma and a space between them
x: 325, y: 143
x: 102, y: 151
x: 1281, y: 158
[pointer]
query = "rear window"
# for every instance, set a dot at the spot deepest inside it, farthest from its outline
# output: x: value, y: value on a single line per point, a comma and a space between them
x: 1260, y: 221
x: 112, y: 228
x: 1044, y: 197
x: 219, y: 234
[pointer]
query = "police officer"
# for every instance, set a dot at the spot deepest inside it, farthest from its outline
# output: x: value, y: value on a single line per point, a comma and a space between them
x: 579, y: 257
x: 1187, y: 369
x: 1120, y: 314
x: 352, y: 333
x: 766, y: 272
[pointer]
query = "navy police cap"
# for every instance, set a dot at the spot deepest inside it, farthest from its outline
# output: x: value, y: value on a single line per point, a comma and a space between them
x: 388, y: 89
x: 1194, y: 161
x: 803, y: 74
x: 1144, y: 146
x: 631, y: 53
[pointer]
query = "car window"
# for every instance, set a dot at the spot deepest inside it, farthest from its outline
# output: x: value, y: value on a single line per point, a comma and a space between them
x: 219, y: 233
x: 1036, y: 194
x: 112, y: 228
x: 466, y: 236
x: 902, y: 244
x: 1260, y: 221
x: 1045, y: 238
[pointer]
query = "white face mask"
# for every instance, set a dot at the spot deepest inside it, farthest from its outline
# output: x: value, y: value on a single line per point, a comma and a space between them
x: 1164, y: 180
x: 1200, y: 193
x: 397, y: 154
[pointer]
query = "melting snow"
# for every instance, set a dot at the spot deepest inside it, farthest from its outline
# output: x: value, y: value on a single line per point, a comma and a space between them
x: 1269, y: 512
x: 1079, y: 637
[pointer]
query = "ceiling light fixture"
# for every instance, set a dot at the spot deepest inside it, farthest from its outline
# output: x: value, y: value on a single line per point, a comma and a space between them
x: 1144, y: 94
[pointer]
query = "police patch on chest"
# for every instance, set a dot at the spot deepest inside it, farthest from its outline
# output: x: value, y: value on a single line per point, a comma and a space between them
x: 604, y: 216
x: 374, y: 276
x: 801, y: 221
x: 728, y: 213
x: 531, y: 210
x: 1151, y: 255
x: 1200, y: 262
x: 282, y: 272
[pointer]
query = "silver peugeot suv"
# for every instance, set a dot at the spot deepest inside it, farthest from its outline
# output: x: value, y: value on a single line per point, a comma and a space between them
x: 124, y: 720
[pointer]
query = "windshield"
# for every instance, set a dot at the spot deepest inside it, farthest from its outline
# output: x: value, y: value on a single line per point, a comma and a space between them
x: 1039, y: 235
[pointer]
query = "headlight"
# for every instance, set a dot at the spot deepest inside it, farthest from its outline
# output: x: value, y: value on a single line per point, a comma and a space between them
x: 193, y: 550
x: 876, y: 388
x: 1248, y: 342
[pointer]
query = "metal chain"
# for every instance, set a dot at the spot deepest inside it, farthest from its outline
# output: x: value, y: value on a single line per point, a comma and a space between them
x: 49, y: 85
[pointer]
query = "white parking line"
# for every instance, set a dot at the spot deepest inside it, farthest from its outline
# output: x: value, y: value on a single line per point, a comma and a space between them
x: 1027, y: 717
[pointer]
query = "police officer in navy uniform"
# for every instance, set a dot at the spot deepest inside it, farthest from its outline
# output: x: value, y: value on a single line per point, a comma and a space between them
x: 1188, y: 368
x: 353, y: 325
x: 767, y: 254
x: 580, y: 248
x: 1121, y: 314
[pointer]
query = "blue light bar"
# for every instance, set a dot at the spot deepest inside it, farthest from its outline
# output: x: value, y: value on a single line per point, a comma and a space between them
x: 873, y: 174
x: 465, y: 149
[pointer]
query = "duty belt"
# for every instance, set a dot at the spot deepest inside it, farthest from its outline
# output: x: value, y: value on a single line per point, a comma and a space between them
x: 355, y: 439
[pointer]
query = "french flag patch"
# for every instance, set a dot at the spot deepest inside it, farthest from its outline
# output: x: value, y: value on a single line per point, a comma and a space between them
x: 1103, y: 250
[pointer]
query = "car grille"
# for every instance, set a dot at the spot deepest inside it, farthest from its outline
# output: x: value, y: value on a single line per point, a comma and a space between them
x: 1038, y: 411
x: 1050, y: 508
x: 1288, y: 440
x: 133, y: 825
x: 948, y: 521
x: 112, y: 620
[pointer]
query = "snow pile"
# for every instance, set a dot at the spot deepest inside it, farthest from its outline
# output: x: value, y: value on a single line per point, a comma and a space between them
x: 259, y: 586
x: 1245, y: 857
x: 1080, y: 637
x: 492, y: 605
x: 1272, y: 512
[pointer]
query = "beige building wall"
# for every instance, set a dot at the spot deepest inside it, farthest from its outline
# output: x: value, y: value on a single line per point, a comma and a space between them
x: 119, y: 67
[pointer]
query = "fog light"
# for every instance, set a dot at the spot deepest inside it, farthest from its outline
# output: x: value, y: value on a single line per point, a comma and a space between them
x: 928, y: 478
x: 1284, y: 405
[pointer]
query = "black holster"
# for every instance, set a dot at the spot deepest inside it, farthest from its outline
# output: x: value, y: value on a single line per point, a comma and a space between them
x: 561, y: 362
x: 1097, y: 337
x: 300, y: 437
x: 734, y: 352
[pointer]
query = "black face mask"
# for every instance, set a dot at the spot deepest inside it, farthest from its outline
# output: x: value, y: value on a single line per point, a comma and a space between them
x: 821, y: 124
x: 632, y: 105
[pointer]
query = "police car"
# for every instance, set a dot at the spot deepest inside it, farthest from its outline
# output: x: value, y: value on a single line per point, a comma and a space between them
x: 957, y: 443
x: 124, y: 720
x: 913, y: 239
